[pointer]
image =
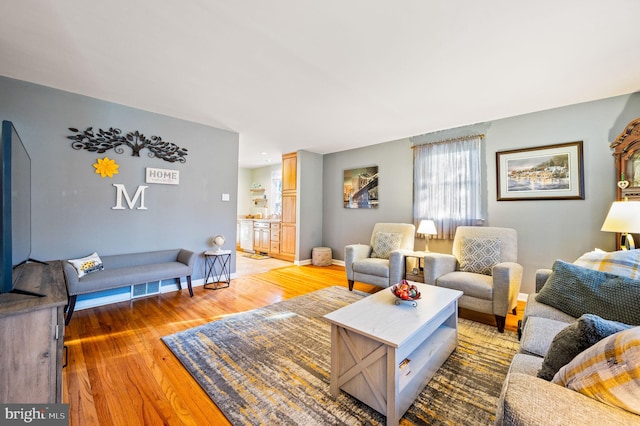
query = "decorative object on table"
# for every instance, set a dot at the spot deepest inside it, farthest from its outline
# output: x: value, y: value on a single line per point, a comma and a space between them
x: 427, y: 227
x: 295, y: 339
x: 361, y: 188
x: 217, y: 242
x: 406, y: 292
x: 623, y: 184
x: 104, y: 140
x: 623, y: 218
x: 551, y: 172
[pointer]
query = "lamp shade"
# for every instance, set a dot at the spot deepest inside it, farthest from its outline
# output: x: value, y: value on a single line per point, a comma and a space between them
x: 623, y: 216
x: 427, y: 227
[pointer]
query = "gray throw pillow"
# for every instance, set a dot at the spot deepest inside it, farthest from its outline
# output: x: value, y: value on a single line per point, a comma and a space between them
x: 576, y: 290
x: 385, y: 243
x: 583, y: 333
x: 479, y: 255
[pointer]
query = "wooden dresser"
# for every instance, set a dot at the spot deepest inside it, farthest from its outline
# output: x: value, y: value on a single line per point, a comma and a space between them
x: 32, y: 336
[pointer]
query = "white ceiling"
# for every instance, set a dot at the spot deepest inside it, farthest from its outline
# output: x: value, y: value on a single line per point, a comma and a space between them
x: 326, y: 75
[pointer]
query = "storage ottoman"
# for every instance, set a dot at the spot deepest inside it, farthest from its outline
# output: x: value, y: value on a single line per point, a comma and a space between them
x: 321, y: 256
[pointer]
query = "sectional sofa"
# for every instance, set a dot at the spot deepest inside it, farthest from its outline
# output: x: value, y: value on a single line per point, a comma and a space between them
x: 567, y: 345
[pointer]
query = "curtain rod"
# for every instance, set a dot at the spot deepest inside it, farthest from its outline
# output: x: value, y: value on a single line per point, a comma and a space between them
x: 461, y: 138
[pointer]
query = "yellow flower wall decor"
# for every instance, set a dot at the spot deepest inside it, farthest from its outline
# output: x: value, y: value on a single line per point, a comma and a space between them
x: 106, y: 167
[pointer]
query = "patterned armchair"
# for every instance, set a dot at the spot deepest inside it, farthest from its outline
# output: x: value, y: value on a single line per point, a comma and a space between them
x: 381, y: 262
x: 483, y: 265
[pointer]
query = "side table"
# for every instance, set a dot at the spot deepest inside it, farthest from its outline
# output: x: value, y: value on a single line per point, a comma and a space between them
x: 414, y: 266
x: 221, y: 274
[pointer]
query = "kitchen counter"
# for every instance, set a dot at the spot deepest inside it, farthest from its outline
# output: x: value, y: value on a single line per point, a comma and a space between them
x: 260, y: 220
x: 259, y: 235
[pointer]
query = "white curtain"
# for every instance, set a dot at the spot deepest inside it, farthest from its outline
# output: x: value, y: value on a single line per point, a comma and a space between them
x: 447, y: 184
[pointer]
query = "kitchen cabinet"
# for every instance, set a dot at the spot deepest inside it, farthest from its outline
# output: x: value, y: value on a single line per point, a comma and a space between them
x: 289, y: 205
x: 261, y: 237
x: 274, y: 243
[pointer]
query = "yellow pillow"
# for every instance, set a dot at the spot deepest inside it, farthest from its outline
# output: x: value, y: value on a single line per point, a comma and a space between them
x: 608, y: 371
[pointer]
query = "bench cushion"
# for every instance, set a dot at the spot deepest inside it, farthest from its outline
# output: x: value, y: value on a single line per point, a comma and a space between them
x: 124, y: 270
x: 121, y: 277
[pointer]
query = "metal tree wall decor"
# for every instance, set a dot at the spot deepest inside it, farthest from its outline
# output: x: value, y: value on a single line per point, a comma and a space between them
x: 104, y: 140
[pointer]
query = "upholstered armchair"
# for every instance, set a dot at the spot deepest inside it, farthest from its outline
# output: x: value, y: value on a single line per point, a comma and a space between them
x: 483, y: 265
x: 381, y: 262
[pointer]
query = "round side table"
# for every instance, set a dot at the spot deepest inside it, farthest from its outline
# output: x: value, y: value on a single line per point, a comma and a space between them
x: 217, y: 266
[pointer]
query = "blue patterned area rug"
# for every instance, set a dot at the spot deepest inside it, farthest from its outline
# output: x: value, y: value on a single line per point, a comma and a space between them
x: 271, y: 366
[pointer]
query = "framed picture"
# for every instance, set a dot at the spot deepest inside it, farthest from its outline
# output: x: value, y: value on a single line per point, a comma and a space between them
x: 551, y: 172
x: 361, y: 188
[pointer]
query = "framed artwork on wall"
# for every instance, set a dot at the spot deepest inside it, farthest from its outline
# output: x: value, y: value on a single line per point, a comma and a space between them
x: 550, y: 172
x: 361, y: 188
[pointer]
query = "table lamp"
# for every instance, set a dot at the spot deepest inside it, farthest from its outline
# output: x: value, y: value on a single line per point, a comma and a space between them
x: 623, y: 217
x: 426, y: 228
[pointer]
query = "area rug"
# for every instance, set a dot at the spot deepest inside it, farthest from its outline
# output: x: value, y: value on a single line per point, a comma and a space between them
x: 271, y: 366
x: 257, y: 256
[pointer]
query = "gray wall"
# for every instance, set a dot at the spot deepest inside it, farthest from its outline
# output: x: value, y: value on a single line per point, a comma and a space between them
x: 342, y: 226
x: 245, y: 178
x: 309, y: 208
x: 547, y: 230
x: 71, y: 205
x: 72, y: 212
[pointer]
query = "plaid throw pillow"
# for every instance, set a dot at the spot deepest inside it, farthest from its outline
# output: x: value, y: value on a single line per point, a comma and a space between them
x: 622, y: 262
x: 585, y: 332
x: 479, y: 255
x: 385, y: 243
x: 607, y: 371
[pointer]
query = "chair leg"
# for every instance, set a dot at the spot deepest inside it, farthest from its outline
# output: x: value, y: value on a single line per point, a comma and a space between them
x: 500, y: 322
x: 350, y: 285
x: 189, y: 285
x: 519, y: 329
x: 70, y: 307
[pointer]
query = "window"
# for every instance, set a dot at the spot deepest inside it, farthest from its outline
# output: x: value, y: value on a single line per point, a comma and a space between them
x: 275, y: 200
x: 447, y: 184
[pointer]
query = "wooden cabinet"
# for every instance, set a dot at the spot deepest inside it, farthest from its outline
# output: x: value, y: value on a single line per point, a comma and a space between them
x: 274, y: 243
x: 261, y: 237
x: 289, y: 206
x: 32, y: 335
x: 626, y: 152
x: 289, y: 172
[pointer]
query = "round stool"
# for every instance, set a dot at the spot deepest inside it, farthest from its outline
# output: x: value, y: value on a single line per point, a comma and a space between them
x: 321, y: 256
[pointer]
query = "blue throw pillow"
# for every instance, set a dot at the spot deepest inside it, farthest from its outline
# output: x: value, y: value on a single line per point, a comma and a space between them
x: 576, y: 290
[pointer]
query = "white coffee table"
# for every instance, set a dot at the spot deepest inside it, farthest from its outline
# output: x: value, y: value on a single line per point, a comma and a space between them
x: 372, y: 337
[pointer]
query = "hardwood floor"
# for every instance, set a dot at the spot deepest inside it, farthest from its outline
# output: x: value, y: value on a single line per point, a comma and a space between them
x: 120, y: 372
